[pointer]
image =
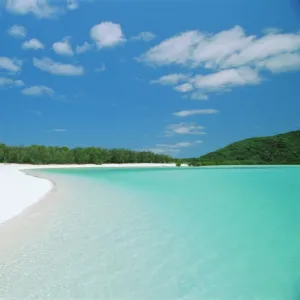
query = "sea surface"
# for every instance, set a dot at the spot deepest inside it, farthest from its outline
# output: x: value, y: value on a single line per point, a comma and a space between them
x: 157, y: 234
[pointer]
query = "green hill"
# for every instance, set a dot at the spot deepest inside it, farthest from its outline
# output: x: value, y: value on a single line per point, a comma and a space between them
x: 277, y: 149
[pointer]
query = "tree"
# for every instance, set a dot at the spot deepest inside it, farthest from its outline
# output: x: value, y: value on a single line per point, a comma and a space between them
x: 37, y: 154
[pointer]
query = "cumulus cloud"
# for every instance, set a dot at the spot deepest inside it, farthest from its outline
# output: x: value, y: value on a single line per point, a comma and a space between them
x: 17, y: 31
x: 171, y: 79
x: 56, y: 68
x: 10, y: 64
x: 144, y: 36
x: 38, y: 90
x: 282, y: 63
x: 184, y: 128
x: 39, y: 8
x: 226, y: 49
x: 175, y: 50
x: 200, y: 85
x: 63, y: 47
x: 185, y: 87
x: 265, y: 47
x: 235, y: 58
x: 33, y: 44
x: 83, y: 48
x: 8, y: 82
x: 226, y: 79
x: 107, y: 34
x: 192, y: 112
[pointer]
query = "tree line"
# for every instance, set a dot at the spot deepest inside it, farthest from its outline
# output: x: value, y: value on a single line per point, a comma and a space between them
x: 37, y: 154
x: 278, y: 149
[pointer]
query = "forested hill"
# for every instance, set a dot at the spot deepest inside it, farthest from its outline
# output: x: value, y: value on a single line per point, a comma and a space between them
x: 62, y: 155
x: 277, y: 149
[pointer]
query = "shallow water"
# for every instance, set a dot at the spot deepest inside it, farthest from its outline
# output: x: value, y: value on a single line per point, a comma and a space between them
x: 161, y: 234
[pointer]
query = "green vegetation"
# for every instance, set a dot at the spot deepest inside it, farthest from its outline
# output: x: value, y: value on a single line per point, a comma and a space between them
x: 271, y: 150
x: 278, y: 149
x: 62, y: 155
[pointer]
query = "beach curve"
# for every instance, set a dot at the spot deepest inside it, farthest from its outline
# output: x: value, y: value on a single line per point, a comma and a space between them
x: 19, y: 191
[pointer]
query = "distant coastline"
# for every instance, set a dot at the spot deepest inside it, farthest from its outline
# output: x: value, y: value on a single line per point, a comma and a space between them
x: 281, y: 149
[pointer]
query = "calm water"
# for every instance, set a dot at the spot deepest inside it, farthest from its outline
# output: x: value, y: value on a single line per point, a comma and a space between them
x: 157, y: 234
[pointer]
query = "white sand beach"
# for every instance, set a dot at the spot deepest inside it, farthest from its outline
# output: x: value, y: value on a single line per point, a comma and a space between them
x: 18, y: 191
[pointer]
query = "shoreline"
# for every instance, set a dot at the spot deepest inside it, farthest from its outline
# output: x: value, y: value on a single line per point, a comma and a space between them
x: 20, y: 190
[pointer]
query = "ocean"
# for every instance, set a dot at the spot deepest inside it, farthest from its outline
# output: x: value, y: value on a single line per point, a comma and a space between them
x: 223, y: 233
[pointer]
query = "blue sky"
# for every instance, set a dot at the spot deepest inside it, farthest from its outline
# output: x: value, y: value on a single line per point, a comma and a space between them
x: 177, y: 77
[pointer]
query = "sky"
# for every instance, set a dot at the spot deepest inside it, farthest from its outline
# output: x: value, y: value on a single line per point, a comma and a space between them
x: 180, y: 77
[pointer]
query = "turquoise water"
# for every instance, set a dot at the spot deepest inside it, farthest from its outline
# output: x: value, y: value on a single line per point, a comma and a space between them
x: 158, y: 234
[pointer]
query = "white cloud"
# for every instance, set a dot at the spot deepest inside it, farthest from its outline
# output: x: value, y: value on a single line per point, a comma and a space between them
x: 56, y: 68
x: 194, y: 48
x: 236, y: 58
x: 228, y: 48
x: 83, y: 48
x: 40, y: 8
x: 171, y: 79
x: 107, y: 34
x: 33, y: 44
x: 13, y: 65
x: 17, y: 31
x: 186, y: 113
x: 282, y: 63
x: 63, y: 47
x: 173, y: 50
x: 4, y: 81
x: 226, y: 79
x: 102, y: 68
x: 185, y: 87
x: 72, y: 4
x: 39, y: 90
x: 265, y: 47
x: 213, y: 49
x: 144, y: 36
x: 200, y: 85
x: 184, y: 128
